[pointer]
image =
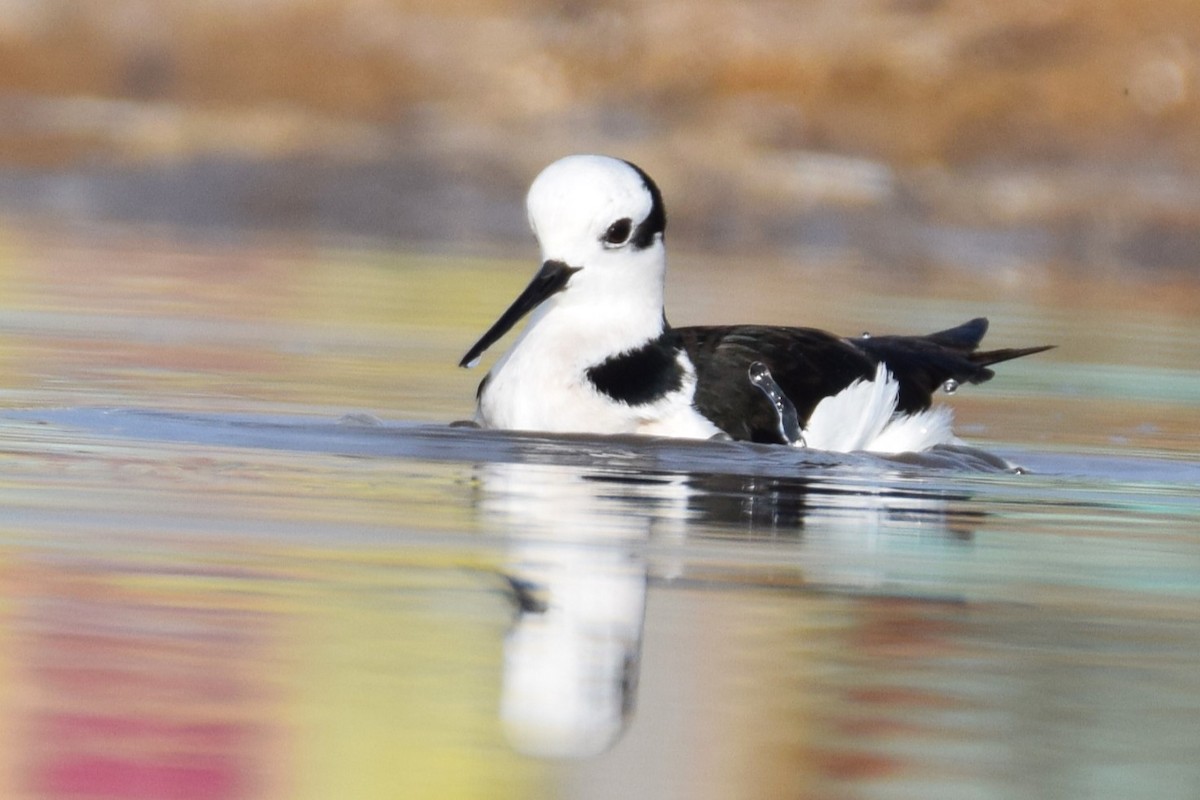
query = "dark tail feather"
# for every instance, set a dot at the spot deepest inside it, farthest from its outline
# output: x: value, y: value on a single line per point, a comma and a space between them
x: 989, y: 357
x: 965, y: 337
x: 922, y: 364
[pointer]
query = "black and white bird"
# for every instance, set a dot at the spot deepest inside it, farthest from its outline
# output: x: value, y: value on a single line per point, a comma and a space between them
x: 598, y: 356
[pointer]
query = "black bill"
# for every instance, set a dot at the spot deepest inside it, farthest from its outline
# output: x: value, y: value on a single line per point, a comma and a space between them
x: 551, y: 278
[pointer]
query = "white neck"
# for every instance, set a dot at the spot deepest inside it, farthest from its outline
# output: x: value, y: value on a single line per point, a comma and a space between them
x: 607, y: 309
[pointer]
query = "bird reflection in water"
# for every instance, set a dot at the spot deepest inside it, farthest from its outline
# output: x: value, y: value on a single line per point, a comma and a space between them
x: 574, y: 561
x: 582, y: 544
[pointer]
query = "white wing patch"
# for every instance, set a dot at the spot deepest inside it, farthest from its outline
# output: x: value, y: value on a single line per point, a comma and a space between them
x: 862, y: 417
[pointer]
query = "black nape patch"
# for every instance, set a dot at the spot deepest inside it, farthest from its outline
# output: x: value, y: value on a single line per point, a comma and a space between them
x: 656, y: 221
x: 639, y: 376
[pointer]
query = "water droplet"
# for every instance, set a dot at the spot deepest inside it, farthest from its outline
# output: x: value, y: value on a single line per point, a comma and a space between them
x: 950, y: 386
x: 786, y: 417
x: 866, y: 335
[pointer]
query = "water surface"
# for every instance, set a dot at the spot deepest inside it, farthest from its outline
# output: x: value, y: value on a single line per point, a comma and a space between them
x: 245, y: 556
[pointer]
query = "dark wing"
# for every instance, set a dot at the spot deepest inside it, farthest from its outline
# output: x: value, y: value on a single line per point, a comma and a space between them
x: 807, y: 364
x: 810, y: 364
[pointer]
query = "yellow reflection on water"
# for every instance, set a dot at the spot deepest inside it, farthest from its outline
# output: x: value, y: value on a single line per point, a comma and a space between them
x: 253, y: 678
x: 394, y: 696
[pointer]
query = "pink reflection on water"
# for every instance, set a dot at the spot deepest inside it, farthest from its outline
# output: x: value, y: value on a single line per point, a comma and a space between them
x: 84, y: 776
x: 144, y: 690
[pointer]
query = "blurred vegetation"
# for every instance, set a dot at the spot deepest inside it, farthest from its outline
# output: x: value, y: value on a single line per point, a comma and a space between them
x: 1002, y: 135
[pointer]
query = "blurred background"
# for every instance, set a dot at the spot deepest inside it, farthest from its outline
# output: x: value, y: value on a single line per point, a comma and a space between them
x: 994, y: 136
x: 225, y: 224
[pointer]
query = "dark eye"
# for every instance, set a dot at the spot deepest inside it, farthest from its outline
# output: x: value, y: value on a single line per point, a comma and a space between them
x: 618, y: 232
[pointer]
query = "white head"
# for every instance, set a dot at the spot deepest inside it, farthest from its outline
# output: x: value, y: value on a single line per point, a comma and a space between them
x: 595, y: 210
x: 599, y: 222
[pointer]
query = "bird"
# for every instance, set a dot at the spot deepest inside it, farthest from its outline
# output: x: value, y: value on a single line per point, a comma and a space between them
x: 598, y: 355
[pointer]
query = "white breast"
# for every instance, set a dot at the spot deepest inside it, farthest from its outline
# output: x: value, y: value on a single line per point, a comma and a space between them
x: 541, y: 384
